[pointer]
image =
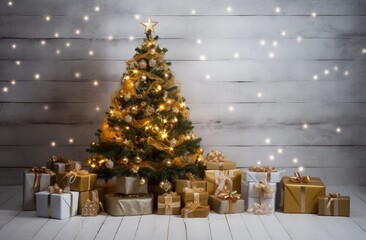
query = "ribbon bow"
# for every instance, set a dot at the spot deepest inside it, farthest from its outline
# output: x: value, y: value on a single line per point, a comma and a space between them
x: 193, y: 183
x: 216, y: 156
x: 168, y: 204
x: 229, y: 195
x: 297, y: 178
x: 331, y: 196
x: 56, y: 189
x: 261, y: 209
x: 264, y: 189
x: 55, y: 158
x: 262, y: 169
x: 223, y: 181
x: 40, y: 170
x: 73, y: 174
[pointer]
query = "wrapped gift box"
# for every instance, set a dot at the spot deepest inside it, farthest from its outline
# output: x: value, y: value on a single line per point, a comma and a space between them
x: 267, y: 203
x: 90, y: 208
x: 272, y: 177
x: 57, y: 206
x: 180, y: 184
x: 223, y: 206
x: 60, y: 164
x: 248, y: 190
x: 301, y: 197
x: 198, y: 212
x: 130, y: 185
x: 169, y: 204
x: 219, y: 176
x: 339, y: 206
x: 227, y: 165
x: 95, y: 195
x: 192, y: 196
x: 119, y: 205
x: 81, y: 183
x: 32, y: 183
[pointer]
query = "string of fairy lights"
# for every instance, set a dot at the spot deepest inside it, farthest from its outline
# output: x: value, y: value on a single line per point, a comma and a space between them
x: 263, y: 43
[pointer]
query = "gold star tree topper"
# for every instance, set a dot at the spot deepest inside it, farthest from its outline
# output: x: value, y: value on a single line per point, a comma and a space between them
x: 149, y: 25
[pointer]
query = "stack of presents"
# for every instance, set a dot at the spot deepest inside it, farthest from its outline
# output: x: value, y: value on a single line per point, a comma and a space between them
x: 62, y: 189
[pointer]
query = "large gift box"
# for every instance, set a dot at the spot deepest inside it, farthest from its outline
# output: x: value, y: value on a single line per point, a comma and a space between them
x: 334, y: 205
x: 227, y: 202
x: 119, y: 205
x: 60, y: 164
x: 195, y: 195
x: 195, y: 210
x: 95, y: 195
x: 80, y: 180
x: 216, y: 160
x: 57, y: 205
x: 263, y: 173
x: 130, y: 185
x: 169, y: 204
x: 301, y: 194
x: 259, y: 195
x: 35, y: 180
x: 217, y: 180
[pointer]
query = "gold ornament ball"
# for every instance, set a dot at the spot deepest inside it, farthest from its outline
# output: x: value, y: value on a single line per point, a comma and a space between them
x: 168, y: 163
x: 137, y: 159
x: 142, y: 181
x: 188, y: 137
x: 162, y: 184
x: 143, y: 104
x: 142, y: 64
x: 200, y: 150
x: 124, y: 160
x: 165, y: 185
x: 152, y: 62
x: 134, y: 110
x: 152, y: 51
x: 128, y: 118
x: 109, y: 164
x: 143, y: 77
x: 127, y: 97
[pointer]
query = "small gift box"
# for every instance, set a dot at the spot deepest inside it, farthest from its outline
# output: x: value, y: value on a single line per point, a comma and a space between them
x: 263, y: 173
x: 119, y: 205
x: 169, y: 204
x: 260, y: 197
x: 90, y: 208
x: 78, y: 180
x: 334, y: 205
x: 60, y: 164
x: 35, y: 180
x: 191, y: 182
x: 227, y: 202
x: 55, y: 203
x: 95, y: 195
x: 218, y: 179
x: 130, y: 185
x: 301, y: 194
x: 195, y: 210
x: 195, y: 195
x: 216, y: 160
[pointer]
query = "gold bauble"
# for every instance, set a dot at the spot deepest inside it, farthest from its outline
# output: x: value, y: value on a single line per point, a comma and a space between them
x: 137, y: 159
x: 124, y: 160
x: 134, y: 109
x: 143, y: 104
x: 188, y: 137
x: 142, y: 64
x: 168, y: 163
x: 162, y: 184
x: 128, y: 118
x: 165, y: 185
x: 155, y: 129
x: 152, y: 51
x: 142, y: 181
x: 200, y: 150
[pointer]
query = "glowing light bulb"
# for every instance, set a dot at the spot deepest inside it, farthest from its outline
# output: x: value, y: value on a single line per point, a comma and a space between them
x: 96, y: 8
x: 271, y: 55
x: 47, y: 18
x: 202, y: 57
x: 335, y: 68
x: 283, y: 33
x: 207, y: 76
x: 268, y: 140
x: 277, y: 9
x: 86, y: 18
x: 53, y: 144
x: 18, y: 62
x: 299, y: 38
x: 95, y: 83
x: 346, y: 73
x: 77, y: 31
x: 315, y: 77
x: 275, y: 43
x: 198, y: 41
x: 326, y: 71
x: 231, y: 108
x: 97, y: 108
x: 43, y: 42
x: 236, y: 55
x: 131, y: 38
x: 280, y: 151
x: 91, y: 53
x: 13, y: 82
x: 58, y: 52
x: 71, y: 140
x: 164, y: 134
x: 45, y: 107
x: 193, y: 11
x: 339, y: 130
x: 258, y: 162
x: 137, y: 17
x: 37, y: 76
x: 259, y: 94
x: 56, y: 35
x: 10, y: 3
x: 14, y: 46
x: 313, y: 14
x: 271, y: 157
x: 110, y: 37
x: 305, y: 126
x: 295, y: 160
x: 5, y: 89
x: 67, y: 44
x: 262, y: 42
x: 228, y: 9
x: 77, y: 74
x: 301, y: 169
x: 364, y: 51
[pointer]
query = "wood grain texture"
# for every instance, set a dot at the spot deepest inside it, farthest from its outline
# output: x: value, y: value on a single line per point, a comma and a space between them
x: 225, y: 108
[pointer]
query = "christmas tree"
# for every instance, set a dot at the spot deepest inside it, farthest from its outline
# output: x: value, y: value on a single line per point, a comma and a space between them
x: 147, y: 131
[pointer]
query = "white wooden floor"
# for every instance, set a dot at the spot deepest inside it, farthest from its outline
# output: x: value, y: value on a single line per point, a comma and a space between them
x: 18, y: 225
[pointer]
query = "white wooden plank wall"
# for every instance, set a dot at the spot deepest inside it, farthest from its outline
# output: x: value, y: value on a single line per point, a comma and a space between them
x: 290, y: 96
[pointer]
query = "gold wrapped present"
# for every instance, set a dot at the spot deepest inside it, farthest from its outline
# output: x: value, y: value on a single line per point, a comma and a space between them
x: 59, y: 164
x: 35, y: 180
x: 78, y: 180
x: 227, y: 202
x: 119, y: 205
x: 195, y: 195
x: 217, y: 180
x: 95, y: 195
x: 90, y: 208
x: 334, y: 205
x: 195, y: 210
x: 301, y: 194
x: 216, y: 160
x: 191, y: 182
x: 169, y: 204
x: 130, y: 185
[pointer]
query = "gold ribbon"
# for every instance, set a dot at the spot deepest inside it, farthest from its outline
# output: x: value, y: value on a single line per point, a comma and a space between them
x: 231, y: 196
x: 261, y: 209
x: 71, y: 176
x: 216, y: 156
x: 333, y: 195
x: 190, y: 207
x: 168, y: 204
x: 59, y: 159
x: 38, y: 174
x: 264, y: 190
x: 297, y: 178
x: 262, y: 169
x: 222, y: 180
